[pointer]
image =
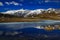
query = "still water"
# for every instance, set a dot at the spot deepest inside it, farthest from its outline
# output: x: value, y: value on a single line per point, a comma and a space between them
x: 20, y: 25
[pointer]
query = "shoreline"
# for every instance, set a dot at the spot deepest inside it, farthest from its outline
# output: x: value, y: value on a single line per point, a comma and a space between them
x: 25, y: 20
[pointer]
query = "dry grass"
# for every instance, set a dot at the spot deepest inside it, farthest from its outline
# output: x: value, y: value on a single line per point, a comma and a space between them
x: 18, y: 19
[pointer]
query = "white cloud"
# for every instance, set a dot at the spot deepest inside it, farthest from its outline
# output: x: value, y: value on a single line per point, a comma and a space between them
x: 7, y: 3
x: 1, y: 4
x: 52, y: 1
x: 47, y: 0
x: 13, y: 2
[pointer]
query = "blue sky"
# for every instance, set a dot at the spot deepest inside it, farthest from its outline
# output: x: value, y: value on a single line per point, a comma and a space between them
x: 28, y: 4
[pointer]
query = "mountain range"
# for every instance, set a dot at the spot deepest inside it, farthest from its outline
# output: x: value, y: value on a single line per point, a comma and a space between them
x: 26, y: 12
x: 24, y: 15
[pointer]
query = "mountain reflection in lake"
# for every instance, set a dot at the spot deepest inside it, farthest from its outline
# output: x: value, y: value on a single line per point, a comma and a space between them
x: 19, y: 25
x: 28, y: 31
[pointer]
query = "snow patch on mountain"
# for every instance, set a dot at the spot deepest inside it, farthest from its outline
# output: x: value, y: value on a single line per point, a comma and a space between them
x: 25, y: 13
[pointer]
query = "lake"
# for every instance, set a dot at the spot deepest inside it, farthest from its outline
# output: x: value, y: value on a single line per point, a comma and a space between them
x: 29, y: 30
x: 20, y: 25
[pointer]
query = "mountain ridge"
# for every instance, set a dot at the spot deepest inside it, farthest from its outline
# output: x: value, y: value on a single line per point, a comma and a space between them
x: 29, y: 12
x: 30, y: 15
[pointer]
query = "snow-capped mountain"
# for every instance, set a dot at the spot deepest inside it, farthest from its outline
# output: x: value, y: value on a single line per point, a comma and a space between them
x: 26, y: 13
x: 21, y: 12
x: 37, y: 11
x: 13, y: 11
